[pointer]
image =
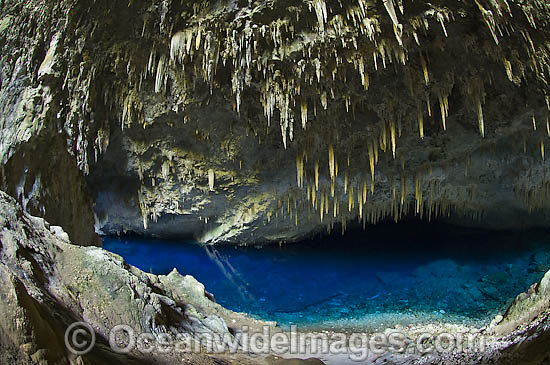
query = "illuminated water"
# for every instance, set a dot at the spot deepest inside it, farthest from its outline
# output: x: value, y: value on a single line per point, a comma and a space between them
x: 392, y: 274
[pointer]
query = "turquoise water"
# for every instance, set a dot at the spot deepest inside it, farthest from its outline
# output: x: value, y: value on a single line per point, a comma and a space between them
x: 395, y: 274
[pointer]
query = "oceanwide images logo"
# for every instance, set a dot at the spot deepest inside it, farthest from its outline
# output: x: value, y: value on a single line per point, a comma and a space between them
x: 80, y: 339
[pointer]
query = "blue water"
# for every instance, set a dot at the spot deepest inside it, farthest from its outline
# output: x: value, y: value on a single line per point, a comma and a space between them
x: 409, y: 274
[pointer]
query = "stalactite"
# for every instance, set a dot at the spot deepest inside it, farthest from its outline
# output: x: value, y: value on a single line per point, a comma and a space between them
x: 326, y: 202
x: 303, y: 107
x: 392, y: 132
x: 346, y: 182
x: 403, y: 190
x: 211, y: 179
x: 365, y: 191
x: 383, y: 137
x: 421, y: 124
x: 508, y: 68
x: 331, y: 164
x: 388, y: 4
x: 489, y: 20
x: 350, y: 199
x: 321, y: 207
x: 371, y: 159
x: 161, y: 77
x: 321, y: 11
x: 300, y: 170
x: 479, y: 110
x: 425, y: 69
x: 317, y: 175
x: 444, y: 108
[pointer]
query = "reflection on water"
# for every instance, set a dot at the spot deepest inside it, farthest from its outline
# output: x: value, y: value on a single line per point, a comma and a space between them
x: 406, y: 272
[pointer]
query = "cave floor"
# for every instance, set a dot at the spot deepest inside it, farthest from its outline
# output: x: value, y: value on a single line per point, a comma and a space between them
x: 367, y: 281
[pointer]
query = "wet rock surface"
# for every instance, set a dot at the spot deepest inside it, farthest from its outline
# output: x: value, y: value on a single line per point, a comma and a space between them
x: 48, y: 284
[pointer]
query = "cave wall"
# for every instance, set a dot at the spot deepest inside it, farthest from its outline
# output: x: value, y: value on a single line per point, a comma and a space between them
x: 251, y: 121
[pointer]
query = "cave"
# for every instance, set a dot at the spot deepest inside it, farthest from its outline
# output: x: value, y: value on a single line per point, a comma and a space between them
x: 274, y: 181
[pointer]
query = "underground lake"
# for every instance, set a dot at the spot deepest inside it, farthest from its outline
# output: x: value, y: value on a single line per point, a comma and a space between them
x: 388, y: 275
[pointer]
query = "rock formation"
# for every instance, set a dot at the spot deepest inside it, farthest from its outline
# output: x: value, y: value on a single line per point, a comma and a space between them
x: 47, y: 284
x: 252, y: 121
x: 266, y: 121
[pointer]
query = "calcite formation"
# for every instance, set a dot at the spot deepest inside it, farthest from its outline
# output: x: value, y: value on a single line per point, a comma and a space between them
x: 253, y: 121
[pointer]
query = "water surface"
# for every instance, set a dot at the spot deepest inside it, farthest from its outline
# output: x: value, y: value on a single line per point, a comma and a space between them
x: 387, y: 275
